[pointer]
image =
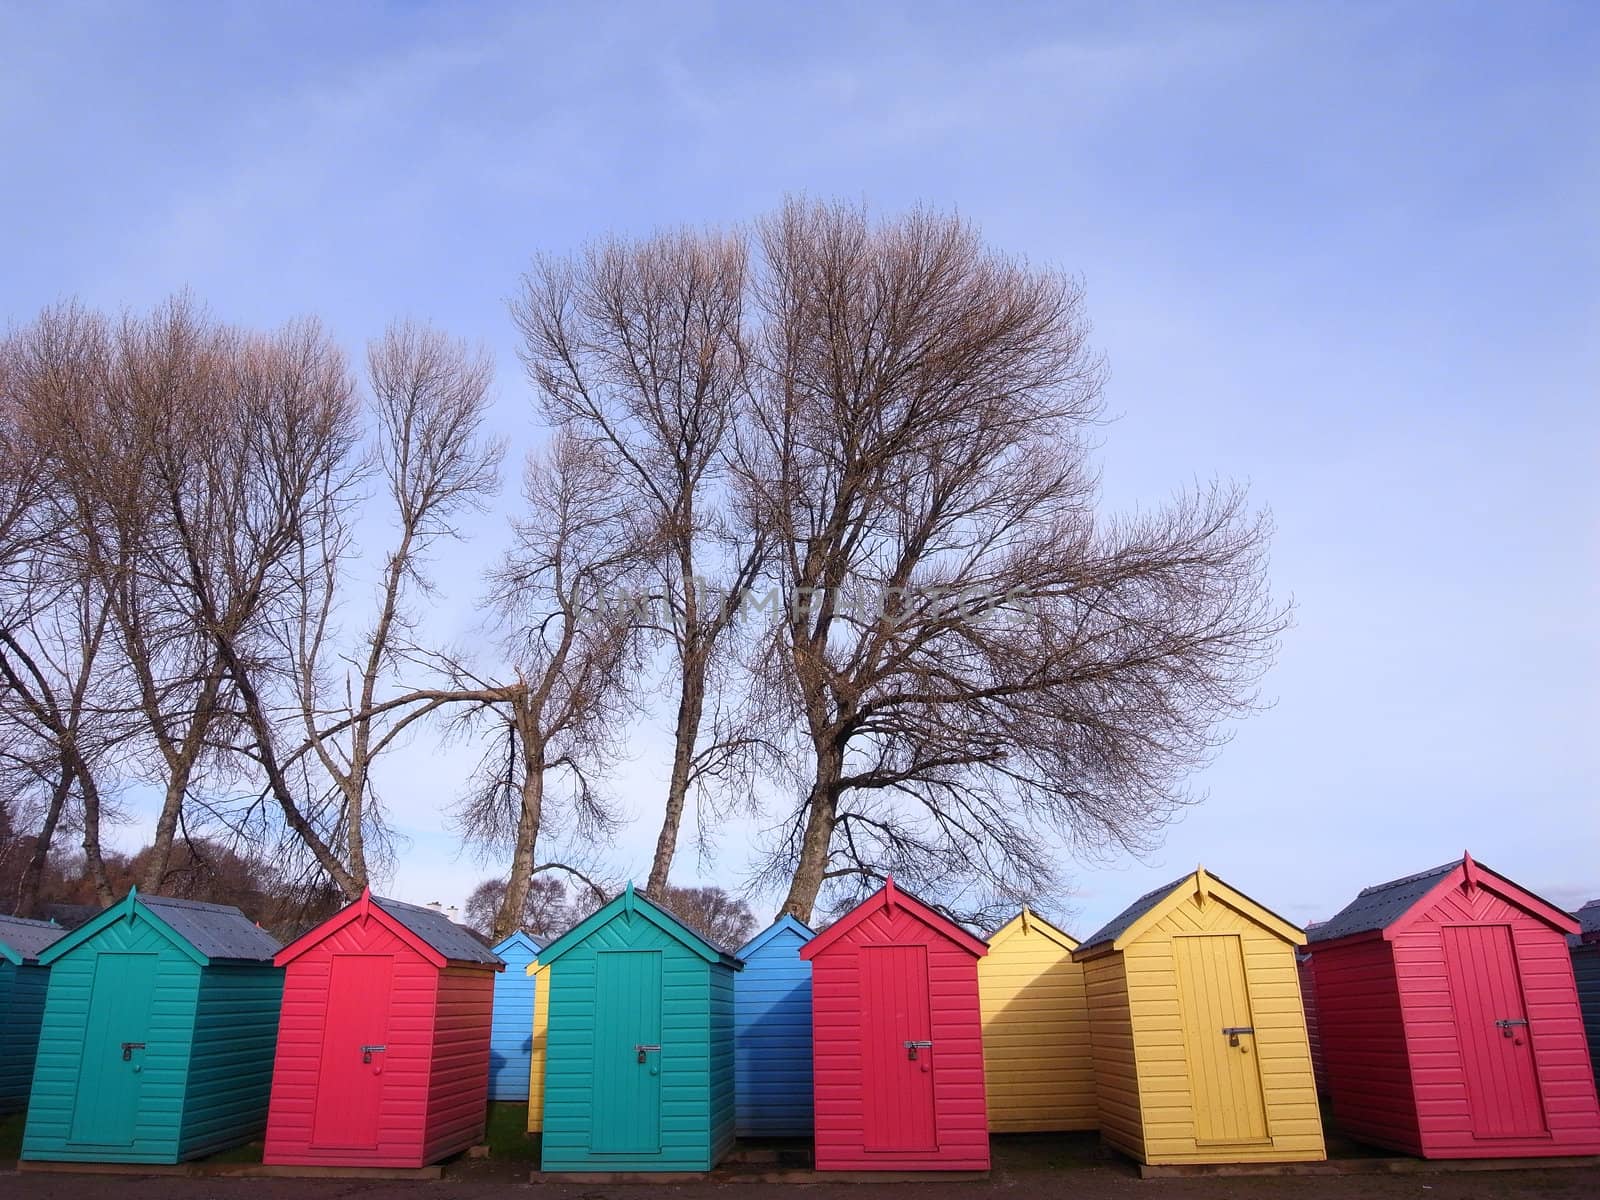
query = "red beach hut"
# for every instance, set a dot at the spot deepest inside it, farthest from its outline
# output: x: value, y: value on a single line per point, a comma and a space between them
x: 897, y: 1040
x: 1450, y: 1022
x: 383, y: 1043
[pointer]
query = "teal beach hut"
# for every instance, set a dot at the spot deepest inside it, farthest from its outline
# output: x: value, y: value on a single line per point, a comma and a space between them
x: 639, y: 1053
x: 158, y: 1033
x: 22, y: 986
x: 511, y: 1038
x: 772, y: 1033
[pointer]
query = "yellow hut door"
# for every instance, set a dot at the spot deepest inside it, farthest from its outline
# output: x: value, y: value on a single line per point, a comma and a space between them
x: 1219, y: 1038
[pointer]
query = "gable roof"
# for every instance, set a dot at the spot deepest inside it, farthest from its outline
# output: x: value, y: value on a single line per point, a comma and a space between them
x: 631, y: 902
x: 1588, y: 919
x: 1383, y: 905
x: 1134, y: 920
x: 207, y: 933
x: 517, y: 939
x: 786, y: 923
x: 889, y: 897
x: 21, y: 938
x: 434, y: 936
x: 1027, y: 921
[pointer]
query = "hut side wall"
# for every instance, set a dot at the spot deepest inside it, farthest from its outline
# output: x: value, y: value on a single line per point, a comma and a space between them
x: 1038, y: 1065
x: 457, y: 1098
x: 230, y: 1071
x: 22, y: 993
x: 957, y: 1029
x: 165, y: 1064
x: 537, y: 1052
x: 1364, y: 1044
x: 772, y: 1023
x: 723, y: 1085
x: 1308, y: 997
x: 407, y: 1061
x: 1116, y: 1070
x: 1283, y: 1052
x: 511, y: 1043
x: 569, y: 1110
x: 1560, y: 1050
x: 1586, y: 972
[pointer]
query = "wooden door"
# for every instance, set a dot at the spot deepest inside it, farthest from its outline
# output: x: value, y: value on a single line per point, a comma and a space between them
x: 897, y: 1053
x: 626, y: 1116
x: 1219, y: 1038
x: 1492, y: 1030
x: 355, y: 1047
x: 105, y: 1111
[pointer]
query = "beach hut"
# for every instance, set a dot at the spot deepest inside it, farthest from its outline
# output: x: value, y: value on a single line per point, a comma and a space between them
x: 1450, y: 1019
x: 772, y: 1033
x: 897, y: 1040
x: 540, y: 978
x: 511, y: 1042
x: 22, y: 987
x: 1038, y: 1066
x: 1586, y: 973
x: 383, y: 1050
x: 156, y: 1042
x: 639, y: 1044
x: 1308, y: 997
x: 1200, y: 1048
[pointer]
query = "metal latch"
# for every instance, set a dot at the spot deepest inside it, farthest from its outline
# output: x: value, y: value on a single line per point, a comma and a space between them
x: 1508, y: 1026
x: 128, y: 1048
x: 368, y: 1051
x: 641, y: 1050
x: 913, y: 1047
x: 1233, y: 1032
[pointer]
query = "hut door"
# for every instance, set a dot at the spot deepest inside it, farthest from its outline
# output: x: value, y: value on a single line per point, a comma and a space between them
x: 626, y: 1117
x: 355, y: 1037
x: 1492, y: 1030
x: 1219, y: 1038
x: 106, y: 1109
x: 897, y: 1049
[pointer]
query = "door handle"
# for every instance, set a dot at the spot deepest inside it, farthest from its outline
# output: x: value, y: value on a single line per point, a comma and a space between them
x: 642, y: 1049
x: 1509, y: 1025
x: 1233, y: 1032
x: 913, y: 1047
x: 128, y: 1048
x: 368, y: 1051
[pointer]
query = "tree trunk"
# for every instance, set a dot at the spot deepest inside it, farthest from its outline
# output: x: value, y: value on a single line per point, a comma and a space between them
x: 33, y: 876
x: 812, y: 866
x: 91, y: 836
x: 509, y: 918
x: 691, y: 707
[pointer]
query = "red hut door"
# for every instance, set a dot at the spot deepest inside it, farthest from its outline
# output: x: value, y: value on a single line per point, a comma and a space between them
x: 355, y: 1037
x: 1492, y: 1028
x: 897, y: 1049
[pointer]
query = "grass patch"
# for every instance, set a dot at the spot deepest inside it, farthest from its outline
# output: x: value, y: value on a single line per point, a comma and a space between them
x: 250, y: 1152
x: 508, y: 1136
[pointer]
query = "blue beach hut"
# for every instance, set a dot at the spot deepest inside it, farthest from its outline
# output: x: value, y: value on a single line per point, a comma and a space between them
x: 22, y: 987
x: 772, y: 1033
x: 511, y: 1041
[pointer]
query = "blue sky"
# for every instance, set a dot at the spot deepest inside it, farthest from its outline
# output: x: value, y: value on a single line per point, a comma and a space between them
x: 1350, y: 254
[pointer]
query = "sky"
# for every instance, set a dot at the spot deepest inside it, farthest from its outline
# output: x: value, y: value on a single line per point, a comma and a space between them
x: 1348, y: 254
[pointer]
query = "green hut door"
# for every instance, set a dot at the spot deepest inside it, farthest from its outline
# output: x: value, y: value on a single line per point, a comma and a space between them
x: 105, y: 1111
x: 626, y: 1118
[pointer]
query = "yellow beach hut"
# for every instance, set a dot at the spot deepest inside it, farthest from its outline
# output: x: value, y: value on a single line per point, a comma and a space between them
x: 1200, y: 1049
x: 1037, y: 1063
x: 541, y: 1032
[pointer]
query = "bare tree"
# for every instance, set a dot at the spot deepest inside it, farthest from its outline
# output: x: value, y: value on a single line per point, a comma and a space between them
x: 721, y: 918
x: 572, y: 651
x: 638, y: 349
x: 969, y: 657
x: 429, y: 398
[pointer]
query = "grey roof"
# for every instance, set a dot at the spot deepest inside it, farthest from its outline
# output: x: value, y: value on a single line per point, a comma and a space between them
x: 1588, y: 918
x: 1381, y: 905
x: 28, y: 937
x: 455, y: 942
x: 1118, y: 925
x: 219, y: 931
